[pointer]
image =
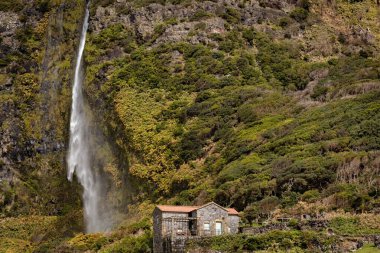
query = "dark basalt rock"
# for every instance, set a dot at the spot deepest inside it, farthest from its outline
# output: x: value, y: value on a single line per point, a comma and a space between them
x: 376, y: 241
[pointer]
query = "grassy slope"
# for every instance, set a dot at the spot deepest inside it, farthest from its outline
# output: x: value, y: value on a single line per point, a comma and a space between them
x: 368, y: 249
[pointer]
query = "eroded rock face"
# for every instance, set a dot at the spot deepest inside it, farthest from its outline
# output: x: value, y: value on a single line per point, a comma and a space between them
x: 186, y: 19
x: 9, y: 22
x: 376, y: 240
x: 181, y: 32
x: 8, y: 124
x: 35, y: 72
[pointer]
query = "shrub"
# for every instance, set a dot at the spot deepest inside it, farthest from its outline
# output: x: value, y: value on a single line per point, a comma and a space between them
x: 284, y: 22
x: 293, y: 223
x: 43, y: 5
x: 200, y: 15
x: 305, y: 4
x: 11, y: 5
x: 310, y: 196
x: 246, y: 113
x: 268, y: 205
x: 103, y: 3
x: 280, y: 61
x: 132, y: 244
x: 160, y: 29
x: 191, y: 145
x: 319, y: 92
x: 342, y: 38
x: 299, y: 14
x: 289, y: 198
x: 249, y: 35
x: 283, y: 239
x: 231, y: 15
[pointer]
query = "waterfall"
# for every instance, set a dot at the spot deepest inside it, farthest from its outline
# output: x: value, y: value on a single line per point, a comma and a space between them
x: 79, y: 156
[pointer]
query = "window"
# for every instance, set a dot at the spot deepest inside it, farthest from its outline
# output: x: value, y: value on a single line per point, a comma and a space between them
x: 180, y: 232
x: 206, y: 226
x: 218, y: 228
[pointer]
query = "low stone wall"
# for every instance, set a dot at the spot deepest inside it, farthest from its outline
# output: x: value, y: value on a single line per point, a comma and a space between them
x: 313, y: 225
x: 302, y: 225
x: 265, y: 229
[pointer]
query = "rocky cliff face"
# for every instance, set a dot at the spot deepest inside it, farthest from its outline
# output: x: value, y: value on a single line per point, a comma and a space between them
x: 215, y: 18
x: 38, y: 47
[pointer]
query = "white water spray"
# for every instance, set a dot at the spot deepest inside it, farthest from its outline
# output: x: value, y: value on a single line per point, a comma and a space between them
x: 79, y: 157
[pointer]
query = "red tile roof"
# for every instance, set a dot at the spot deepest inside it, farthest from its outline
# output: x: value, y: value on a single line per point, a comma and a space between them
x: 232, y: 211
x: 177, y: 209
x: 188, y: 209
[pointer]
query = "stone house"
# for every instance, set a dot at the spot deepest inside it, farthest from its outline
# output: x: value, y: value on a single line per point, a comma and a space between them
x: 173, y: 225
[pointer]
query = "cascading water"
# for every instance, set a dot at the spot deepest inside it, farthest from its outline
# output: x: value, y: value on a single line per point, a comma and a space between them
x: 79, y: 157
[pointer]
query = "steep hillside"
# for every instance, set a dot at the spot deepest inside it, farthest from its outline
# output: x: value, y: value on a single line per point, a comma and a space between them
x: 242, y: 102
x: 268, y: 106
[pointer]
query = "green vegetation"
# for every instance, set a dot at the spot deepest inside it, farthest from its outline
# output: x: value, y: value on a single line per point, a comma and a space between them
x: 221, y: 119
x: 131, y: 244
x: 11, y: 5
x: 355, y: 226
x: 369, y: 248
x: 275, y: 240
x: 299, y: 14
x: 262, y: 115
x: 25, y: 233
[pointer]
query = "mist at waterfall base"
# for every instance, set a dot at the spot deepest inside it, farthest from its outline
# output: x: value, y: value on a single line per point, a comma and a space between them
x: 85, y: 142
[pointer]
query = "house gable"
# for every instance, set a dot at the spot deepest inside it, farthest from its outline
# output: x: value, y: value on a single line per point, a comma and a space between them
x: 213, y: 205
x: 212, y: 219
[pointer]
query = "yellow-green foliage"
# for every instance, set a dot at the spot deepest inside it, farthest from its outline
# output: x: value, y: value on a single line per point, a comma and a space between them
x: 139, y: 112
x: 135, y: 237
x: 368, y: 248
x: 273, y: 241
x: 24, y: 227
x: 17, y: 234
x: 361, y: 12
x: 88, y: 242
x: 130, y: 244
x: 365, y: 224
x: 10, y: 5
x: 12, y: 245
x: 73, y: 16
x: 27, y: 86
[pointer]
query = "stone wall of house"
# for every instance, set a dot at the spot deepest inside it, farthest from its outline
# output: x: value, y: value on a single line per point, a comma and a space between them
x: 233, y: 221
x: 162, y: 228
x: 173, y: 229
x: 211, y: 213
x: 157, y: 231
